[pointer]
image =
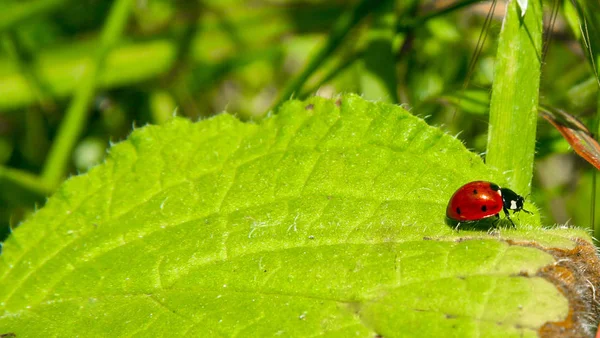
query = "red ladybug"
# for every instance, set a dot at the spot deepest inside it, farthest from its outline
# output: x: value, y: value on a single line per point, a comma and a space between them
x: 477, y: 200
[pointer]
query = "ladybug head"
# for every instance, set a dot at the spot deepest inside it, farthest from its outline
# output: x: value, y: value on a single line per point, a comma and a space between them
x: 512, y: 201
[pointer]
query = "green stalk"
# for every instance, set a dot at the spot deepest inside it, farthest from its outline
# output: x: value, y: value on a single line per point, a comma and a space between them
x: 595, y: 226
x: 18, y: 12
x: 378, y: 76
x: 406, y: 25
x: 339, y: 31
x: 22, y: 186
x: 332, y: 73
x: 76, y: 116
x: 514, y: 102
x: 25, y: 61
x: 584, y: 20
x: 594, y: 56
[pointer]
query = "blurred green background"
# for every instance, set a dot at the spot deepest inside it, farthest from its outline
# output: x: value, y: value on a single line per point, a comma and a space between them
x: 77, y: 75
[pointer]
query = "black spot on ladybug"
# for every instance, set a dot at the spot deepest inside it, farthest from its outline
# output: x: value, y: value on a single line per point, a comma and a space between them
x: 494, y: 187
x: 458, y: 211
x: 309, y: 107
x: 483, y: 208
x: 474, y: 191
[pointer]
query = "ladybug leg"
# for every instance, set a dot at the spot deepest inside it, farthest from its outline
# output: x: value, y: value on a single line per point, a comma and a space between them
x: 456, y: 227
x: 495, y: 222
x: 508, y: 217
x: 527, y: 211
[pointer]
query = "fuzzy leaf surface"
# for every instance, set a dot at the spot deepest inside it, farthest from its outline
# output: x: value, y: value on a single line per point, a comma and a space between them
x: 325, y: 219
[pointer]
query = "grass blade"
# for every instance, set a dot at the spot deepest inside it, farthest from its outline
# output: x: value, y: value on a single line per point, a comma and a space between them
x: 76, y: 115
x: 515, y: 95
x: 378, y: 76
x: 16, y: 13
x: 339, y: 31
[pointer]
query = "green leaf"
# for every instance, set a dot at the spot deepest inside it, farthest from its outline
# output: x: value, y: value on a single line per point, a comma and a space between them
x: 515, y: 94
x: 325, y: 219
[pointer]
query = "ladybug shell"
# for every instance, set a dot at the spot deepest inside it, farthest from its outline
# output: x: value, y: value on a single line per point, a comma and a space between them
x: 474, y: 201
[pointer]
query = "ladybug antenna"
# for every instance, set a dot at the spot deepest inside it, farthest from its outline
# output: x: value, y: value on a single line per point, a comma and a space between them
x: 527, y: 211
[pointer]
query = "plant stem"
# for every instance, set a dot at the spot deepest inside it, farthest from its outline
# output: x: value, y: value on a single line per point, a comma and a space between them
x: 515, y: 95
x: 62, y: 76
x: 25, y: 60
x: 339, y: 31
x: 18, y: 12
x: 405, y: 25
x: 378, y: 76
x: 594, y: 225
x: 23, y: 183
x: 587, y: 28
x: 76, y: 116
x: 332, y: 73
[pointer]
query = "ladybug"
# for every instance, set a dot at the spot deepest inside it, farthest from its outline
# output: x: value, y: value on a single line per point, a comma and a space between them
x: 477, y: 200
